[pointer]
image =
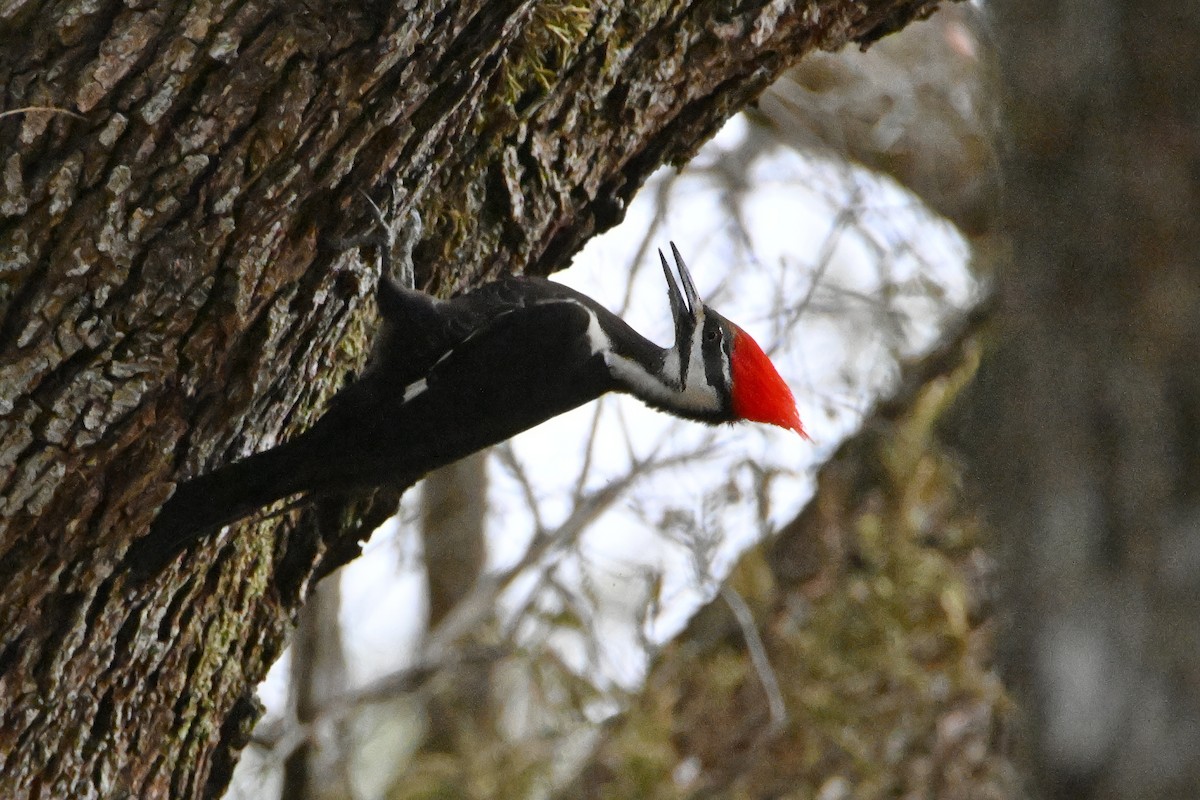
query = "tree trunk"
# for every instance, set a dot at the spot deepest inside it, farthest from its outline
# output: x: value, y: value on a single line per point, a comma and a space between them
x: 1086, y: 419
x: 174, y: 297
x: 317, y: 674
x: 453, y: 516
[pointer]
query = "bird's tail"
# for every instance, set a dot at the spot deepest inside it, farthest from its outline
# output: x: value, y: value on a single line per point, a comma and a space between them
x: 202, y: 505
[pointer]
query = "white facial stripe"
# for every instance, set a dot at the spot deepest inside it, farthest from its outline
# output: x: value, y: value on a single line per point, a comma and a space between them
x: 697, y: 396
x: 668, y: 389
x: 672, y: 367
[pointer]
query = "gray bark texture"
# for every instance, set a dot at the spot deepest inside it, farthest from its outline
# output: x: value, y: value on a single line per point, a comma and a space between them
x: 1085, y: 420
x: 174, y: 179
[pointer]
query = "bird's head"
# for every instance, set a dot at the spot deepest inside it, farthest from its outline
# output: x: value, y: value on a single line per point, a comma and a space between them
x: 721, y: 372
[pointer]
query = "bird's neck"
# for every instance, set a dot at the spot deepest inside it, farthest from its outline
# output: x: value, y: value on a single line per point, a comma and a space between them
x: 666, y: 378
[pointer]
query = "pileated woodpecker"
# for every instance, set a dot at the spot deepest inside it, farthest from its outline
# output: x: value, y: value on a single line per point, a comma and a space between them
x: 450, y: 377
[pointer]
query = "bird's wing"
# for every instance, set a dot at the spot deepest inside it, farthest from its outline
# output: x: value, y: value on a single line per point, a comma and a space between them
x: 414, y: 334
x: 523, y: 367
x: 420, y: 331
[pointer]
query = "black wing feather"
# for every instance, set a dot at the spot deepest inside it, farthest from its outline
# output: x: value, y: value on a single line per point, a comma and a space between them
x: 478, y: 393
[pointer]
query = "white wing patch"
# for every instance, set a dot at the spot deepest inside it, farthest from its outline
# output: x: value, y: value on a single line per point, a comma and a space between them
x: 597, y: 338
x: 413, y: 389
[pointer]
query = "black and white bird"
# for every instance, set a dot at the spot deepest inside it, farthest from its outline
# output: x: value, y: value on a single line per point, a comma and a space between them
x: 451, y: 377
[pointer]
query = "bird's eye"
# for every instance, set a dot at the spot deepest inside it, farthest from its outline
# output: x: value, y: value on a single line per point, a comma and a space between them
x: 711, y: 335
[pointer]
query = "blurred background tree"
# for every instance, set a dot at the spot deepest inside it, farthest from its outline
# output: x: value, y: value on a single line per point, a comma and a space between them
x: 1084, y: 426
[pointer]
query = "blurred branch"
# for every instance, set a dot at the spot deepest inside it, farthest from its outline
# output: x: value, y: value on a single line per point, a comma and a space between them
x: 759, y: 657
x: 919, y: 107
x: 583, y: 514
x: 871, y: 603
x: 440, y: 651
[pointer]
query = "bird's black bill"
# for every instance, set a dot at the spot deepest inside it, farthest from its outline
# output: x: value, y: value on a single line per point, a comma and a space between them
x: 685, y: 301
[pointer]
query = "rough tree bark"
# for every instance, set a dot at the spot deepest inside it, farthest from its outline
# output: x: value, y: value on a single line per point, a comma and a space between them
x: 172, y: 297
